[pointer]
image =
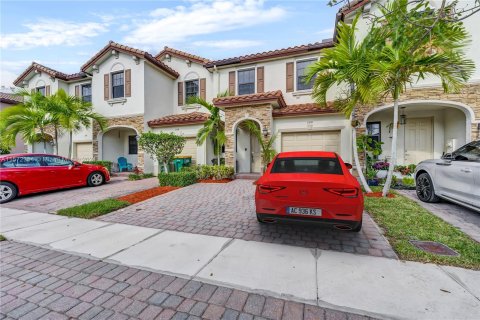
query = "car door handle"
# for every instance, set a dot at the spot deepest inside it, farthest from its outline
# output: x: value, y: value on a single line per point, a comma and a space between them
x: 443, y: 164
x: 466, y: 170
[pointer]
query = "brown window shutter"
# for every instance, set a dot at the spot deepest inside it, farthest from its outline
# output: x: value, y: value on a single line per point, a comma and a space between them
x: 180, y: 93
x: 260, y: 80
x: 128, y: 83
x: 289, y: 76
x: 203, y: 92
x: 106, y: 86
x: 77, y: 91
x: 47, y: 91
x: 231, y: 83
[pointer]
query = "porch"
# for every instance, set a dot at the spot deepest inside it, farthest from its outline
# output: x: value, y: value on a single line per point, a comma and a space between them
x: 119, y: 142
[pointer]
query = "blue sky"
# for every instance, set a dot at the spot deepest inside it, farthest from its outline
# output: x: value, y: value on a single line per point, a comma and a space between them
x: 65, y: 34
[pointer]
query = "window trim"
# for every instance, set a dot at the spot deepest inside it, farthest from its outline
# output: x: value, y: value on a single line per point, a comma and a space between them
x: 44, y: 87
x: 379, y: 128
x: 81, y: 91
x: 296, y: 90
x: 237, y: 83
x: 136, y: 142
x: 111, y: 87
x: 185, y: 88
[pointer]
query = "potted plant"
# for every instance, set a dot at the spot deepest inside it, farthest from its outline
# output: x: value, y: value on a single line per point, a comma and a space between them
x: 372, y: 177
x: 382, y: 169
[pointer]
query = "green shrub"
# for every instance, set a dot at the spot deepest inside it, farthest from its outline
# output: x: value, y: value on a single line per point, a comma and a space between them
x: 134, y: 176
x: 408, y: 181
x: 106, y: 164
x: 204, y: 172
x: 222, y: 172
x: 147, y: 175
x: 177, y: 179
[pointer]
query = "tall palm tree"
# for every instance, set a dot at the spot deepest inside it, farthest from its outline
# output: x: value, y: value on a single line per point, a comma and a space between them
x: 406, y: 55
x: 345, y: 66
x: 27, y: 119
x: 268, y: 151
x: 214, y: 127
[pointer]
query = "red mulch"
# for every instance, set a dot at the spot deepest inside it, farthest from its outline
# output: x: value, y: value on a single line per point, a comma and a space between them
x: 146, y: 194
x: 215, y: 181
x: 378, y: 195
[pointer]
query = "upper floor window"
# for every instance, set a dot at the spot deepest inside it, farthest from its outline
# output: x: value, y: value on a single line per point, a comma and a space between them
x: 191, y: 89
x: 118, y: 85
x: 41, y: 90
x: 374, y: 131
x: 246, y: 81
x: 301, y: 74
x: 87, y: 92
x: 132, y: 145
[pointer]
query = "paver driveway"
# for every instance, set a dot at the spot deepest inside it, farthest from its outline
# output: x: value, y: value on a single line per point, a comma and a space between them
x: 227, y: 210
x: 55, y: 200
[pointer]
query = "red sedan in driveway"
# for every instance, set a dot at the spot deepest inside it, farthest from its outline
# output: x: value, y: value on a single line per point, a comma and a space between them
x: 22, y: 174
x: 310, y: 186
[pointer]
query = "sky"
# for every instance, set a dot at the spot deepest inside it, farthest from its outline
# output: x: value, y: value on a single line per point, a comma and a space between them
x: 64, y: 34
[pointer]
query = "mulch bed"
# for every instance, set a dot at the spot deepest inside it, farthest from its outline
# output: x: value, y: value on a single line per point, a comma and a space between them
x: 215, y: 181
x: 378, y: 195
x: 146, y: 194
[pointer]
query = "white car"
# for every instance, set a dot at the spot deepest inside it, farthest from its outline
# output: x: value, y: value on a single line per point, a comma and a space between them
x: 455, y: 177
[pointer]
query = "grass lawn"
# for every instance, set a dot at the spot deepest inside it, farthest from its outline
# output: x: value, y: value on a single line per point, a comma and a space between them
x: 93, y: 209
x: 404, y: 220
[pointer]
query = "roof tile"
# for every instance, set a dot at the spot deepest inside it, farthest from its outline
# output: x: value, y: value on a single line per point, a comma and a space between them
x: 182, y: 54
x: 179, y: 119
x: 10, y: 98
x: 51, y: 72
x: 304, y: 109
x: 251, y: 98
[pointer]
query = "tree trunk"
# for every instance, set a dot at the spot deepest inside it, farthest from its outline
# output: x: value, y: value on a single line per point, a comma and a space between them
x: 357, y: 163
x: 44, y: 141
x: 70, y: 142
x: 56, y: 140
x: 165, y: 165
x: 393, y: 153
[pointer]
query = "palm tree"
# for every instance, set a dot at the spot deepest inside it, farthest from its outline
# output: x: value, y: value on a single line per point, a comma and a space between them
x: 406, y: 55
x: 345, y: 66
x: 214, y: 127
x: 268, y: 152
x: 26, y: 119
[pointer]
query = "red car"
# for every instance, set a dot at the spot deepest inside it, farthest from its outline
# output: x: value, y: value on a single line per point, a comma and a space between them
x: 22, y: 174
x: 310, y: 186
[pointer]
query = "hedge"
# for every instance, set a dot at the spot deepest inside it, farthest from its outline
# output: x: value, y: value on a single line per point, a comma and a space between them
x: 106, y: 164
x: 177, y: 179
x: 134, y: 176
x: 210, y: 172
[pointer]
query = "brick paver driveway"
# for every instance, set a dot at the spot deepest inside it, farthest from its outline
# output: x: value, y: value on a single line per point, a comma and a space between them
x: 55, y: 200
x: 38, y: 283
x: 227, y: 210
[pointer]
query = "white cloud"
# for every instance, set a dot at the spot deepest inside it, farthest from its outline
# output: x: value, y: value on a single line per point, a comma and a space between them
x: 46, y: 32
x: 227, y: 44
x: 183, y: 23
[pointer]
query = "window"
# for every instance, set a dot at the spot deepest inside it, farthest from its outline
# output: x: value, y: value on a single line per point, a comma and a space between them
x: 118, y: 85
x: 22, y: 162
x: 469, y: 152
x: 50, y: 161
x: 87, y: 92
x: 132, y: 145
x: 191, y: 89
x: 41, y: 90
x: 307, y: 165
x: 301, y: 74
x: 246, y: 81
x: 374, y: 131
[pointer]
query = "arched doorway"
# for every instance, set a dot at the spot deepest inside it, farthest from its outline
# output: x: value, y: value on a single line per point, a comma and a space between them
x: 247, y: 148
x: 41, y: 147
x: 427, y: 129
x: 119, y: 141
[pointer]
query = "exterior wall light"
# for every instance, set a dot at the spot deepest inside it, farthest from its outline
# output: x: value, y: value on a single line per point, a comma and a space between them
x: 265, y: 132
x: 403, y: 117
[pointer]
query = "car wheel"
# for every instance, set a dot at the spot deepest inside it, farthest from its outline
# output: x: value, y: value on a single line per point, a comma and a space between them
x: 425, y: 189
x: 260, y: 219
x: 95, y: 179
x: 7, y: 192
x: 358, y: 227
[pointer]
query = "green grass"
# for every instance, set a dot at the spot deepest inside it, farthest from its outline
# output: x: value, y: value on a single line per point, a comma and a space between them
x: 403, y: 220
x: 2, y: 238
x: 93, y: 209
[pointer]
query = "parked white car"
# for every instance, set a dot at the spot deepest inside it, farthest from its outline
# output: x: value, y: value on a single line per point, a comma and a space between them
x: 455, y: 177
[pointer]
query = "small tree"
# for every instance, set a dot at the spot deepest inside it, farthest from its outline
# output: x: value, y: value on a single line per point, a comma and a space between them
x: 162, y: 146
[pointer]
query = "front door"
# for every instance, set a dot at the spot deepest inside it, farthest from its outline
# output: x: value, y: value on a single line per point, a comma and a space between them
x: 243, y: 151
x: 418, y: 140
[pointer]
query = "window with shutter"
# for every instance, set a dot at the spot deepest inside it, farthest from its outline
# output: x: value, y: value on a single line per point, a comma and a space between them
x: 260, y: 80
x: 106, y: 86
x: 87, y: 92
x: 289, y: 77
x: 180, y: 93
x: 246, y: 81
x: 301, y: 74
x: 118, y: 85
x: 128, y: 83
x: 77, y: 91
x: 47, y: 91
x: 203, y: 89
x: 231, y: 83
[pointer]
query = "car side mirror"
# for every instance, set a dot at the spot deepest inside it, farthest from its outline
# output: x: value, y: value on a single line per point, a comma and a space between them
x: 76, y: 164
x: 348, y: 165
x: 447, y: 156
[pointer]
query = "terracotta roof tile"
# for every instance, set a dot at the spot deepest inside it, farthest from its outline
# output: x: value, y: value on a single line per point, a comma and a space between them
x: 304, y: 109
x: 353, y: 5
x: 136, y: 52
x: 181, y: 54
x: 256, y: 98
x: 273, y: 54
x: 51, y: 72
x: 179, y: 119
x: 10, y: 98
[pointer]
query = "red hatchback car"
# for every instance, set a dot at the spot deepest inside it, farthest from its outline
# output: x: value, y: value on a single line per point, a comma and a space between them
x: 22, y: 174
x: 310, y: 186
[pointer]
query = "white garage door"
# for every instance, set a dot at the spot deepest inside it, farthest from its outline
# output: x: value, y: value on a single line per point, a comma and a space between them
x: 309, y: 141
x: 190, y: 149
x: 83, y: 151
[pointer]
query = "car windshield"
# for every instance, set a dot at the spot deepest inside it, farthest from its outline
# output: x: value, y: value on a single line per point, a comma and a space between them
x: 307, y: 165
x: 469, y: 152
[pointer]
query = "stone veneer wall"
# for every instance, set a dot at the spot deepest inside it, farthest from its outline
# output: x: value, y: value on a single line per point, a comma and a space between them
x: 136, y: 122
x: 262, y: 113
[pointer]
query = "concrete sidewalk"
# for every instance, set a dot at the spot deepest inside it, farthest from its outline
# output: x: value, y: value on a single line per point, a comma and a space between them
x: 379, y: 287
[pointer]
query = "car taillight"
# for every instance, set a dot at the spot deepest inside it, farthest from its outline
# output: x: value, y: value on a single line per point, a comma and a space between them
x: 265, y: 188
x: 344, y: 192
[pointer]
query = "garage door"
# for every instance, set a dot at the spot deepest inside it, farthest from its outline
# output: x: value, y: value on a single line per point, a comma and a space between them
x: 190, y: 149
x: 83, y: 151
x: 315, y: 140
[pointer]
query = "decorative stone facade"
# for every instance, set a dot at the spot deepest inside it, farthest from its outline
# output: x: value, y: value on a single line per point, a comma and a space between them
x: 136, y: 122
x: 234, y: 115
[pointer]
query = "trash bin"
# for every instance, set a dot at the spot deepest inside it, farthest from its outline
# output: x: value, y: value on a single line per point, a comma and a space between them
x: 177, y: 164
x: 182, y: 161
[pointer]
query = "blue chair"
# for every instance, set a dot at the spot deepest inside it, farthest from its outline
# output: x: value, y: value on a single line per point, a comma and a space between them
x: 123, y: 164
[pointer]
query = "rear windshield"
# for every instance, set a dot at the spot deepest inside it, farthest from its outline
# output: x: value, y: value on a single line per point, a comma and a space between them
x: 307, y: 165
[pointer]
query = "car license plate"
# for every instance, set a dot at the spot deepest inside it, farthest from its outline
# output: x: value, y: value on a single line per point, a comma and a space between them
x: 304, y: 211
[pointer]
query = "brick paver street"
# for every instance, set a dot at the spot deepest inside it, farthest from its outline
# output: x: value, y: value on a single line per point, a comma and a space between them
x: 38, y: 283
x: 227, y: 210
x: 55, y: 200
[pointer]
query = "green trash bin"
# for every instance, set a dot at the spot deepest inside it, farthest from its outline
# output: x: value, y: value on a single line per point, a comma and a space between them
x: 177, y: 164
